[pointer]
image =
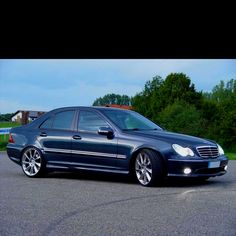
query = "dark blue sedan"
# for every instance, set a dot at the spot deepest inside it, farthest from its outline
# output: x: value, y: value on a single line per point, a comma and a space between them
x: 111, y: 140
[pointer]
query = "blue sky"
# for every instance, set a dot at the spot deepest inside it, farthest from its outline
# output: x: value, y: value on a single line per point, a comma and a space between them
x: 35, y: 84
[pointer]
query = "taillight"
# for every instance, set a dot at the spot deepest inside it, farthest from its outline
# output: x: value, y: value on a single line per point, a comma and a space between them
x: 11, y: 140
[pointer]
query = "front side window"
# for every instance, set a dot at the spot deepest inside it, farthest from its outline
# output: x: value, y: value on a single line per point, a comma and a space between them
x: 63, y: 120
x: 90, y: 121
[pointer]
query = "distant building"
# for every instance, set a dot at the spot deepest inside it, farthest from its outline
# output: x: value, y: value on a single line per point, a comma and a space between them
x: 120, y: 106
x: 26, y: 116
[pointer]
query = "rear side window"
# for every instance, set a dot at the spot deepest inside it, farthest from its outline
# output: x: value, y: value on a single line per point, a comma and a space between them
x: 90, y: 121
x: 63, y: 120
x: 47, y: 124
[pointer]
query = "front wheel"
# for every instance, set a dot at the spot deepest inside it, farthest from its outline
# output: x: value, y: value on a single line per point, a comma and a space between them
x: 32, y: 162
x: 148, y: 168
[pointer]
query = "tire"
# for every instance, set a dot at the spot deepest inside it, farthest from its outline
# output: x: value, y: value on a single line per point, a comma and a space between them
x: 149, y: 168
x: 32, y: 162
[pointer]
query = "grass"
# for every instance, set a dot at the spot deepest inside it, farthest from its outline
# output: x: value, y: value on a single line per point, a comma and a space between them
x: 3, y: 144
x: 9, y: 124
x: 4, y: 137
x: 231, y: 156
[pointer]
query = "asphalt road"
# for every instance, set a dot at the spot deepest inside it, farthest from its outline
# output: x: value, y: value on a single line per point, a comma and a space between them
x: 95, y: 204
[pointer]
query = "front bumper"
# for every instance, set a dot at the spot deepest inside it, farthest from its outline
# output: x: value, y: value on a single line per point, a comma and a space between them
x: 199, y: 167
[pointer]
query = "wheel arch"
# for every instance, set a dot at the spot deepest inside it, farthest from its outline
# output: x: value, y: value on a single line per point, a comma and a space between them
x: 136, y: 151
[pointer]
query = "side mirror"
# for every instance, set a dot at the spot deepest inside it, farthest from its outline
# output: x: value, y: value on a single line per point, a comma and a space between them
x: 105, y: 131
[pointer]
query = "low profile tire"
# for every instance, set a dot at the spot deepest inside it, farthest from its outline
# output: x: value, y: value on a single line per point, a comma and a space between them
x: 149, y: 169
x: 32, y: 162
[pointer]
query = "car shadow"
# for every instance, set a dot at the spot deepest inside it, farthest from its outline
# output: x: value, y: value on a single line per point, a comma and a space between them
x: 119, y: 178
x: 92, y: 176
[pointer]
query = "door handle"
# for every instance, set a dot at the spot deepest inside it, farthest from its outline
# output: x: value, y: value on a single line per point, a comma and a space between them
x: 43, y: 134
x: 76, y: 137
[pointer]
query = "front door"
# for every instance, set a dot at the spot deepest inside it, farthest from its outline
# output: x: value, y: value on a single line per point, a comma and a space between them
x: 92, y: 150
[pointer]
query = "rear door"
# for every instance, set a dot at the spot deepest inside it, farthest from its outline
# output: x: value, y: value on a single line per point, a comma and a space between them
x: 56, y: 135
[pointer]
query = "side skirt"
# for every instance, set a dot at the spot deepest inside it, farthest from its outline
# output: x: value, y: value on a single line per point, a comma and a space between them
x: 67, y: 166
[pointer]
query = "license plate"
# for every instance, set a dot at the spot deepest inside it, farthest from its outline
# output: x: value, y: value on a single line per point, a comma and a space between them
x: 214, y: 164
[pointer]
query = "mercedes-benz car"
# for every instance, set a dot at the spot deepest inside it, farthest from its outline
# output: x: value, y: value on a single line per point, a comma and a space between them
x: 111, y: 140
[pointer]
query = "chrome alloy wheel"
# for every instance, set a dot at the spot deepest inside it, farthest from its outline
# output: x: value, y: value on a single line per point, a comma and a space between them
x: 143, y: 168
x: 31, y: 162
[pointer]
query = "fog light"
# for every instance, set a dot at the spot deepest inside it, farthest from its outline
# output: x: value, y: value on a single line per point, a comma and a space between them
x: 225, y: 167
x: 187, y: 171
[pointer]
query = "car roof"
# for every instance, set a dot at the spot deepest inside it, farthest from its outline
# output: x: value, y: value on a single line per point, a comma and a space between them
x: 48, y: 114
x: 88, y: 107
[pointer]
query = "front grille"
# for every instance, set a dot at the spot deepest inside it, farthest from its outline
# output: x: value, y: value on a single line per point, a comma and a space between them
x: 208, y: 151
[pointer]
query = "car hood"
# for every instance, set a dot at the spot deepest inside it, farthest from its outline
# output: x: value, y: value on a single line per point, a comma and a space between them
x: 171, y: 137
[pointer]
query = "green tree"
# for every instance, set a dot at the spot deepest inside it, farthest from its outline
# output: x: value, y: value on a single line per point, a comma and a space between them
x: 182, y: 117
x: 145, y: 101
x: 6, y: 117
x: 158, y: 94
x: 112, y: 99
x: 178, y: 86
x: 223, y: 125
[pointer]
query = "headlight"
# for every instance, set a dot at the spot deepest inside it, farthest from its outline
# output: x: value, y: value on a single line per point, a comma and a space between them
x: 220, y: 150
x: 183, y: 151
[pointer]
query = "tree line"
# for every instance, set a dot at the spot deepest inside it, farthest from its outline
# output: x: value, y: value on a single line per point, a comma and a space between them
x: 175, y: 104
x: 6, y: 117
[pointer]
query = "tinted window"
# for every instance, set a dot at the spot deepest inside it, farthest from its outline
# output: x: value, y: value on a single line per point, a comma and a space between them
x: 90, y: 121
x: 129, y: 120
x: 63, y: 120
x: 47, y: 124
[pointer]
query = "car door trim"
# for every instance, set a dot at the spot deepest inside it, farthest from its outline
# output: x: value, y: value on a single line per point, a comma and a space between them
x: 119, y: 156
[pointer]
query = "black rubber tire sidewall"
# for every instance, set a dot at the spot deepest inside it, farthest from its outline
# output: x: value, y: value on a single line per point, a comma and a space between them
x: 157, y: 168
x: 43, y: 164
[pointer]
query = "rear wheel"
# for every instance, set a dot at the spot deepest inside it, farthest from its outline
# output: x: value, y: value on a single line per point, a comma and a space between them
x: 148, y: 168
x: 32, y: 162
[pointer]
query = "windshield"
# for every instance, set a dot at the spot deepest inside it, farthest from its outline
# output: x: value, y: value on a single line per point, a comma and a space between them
x: 130, y: 120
